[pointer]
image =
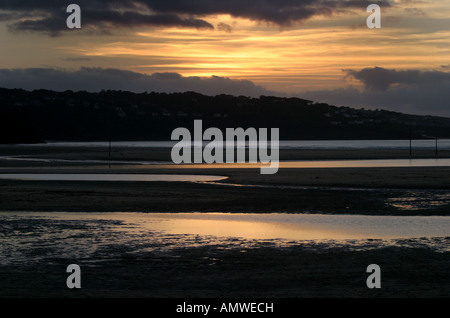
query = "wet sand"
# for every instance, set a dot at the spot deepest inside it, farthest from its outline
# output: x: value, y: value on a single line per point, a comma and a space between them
x: 256, y: 272
x: 221, y: 271
x: 401, y: 190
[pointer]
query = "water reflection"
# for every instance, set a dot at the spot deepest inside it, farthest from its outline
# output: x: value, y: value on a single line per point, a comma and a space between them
x: 28, y: 237
x: 376, y: 163
x: 293, y: 144
x: 365, y: 163
x: 268, y: 226
x: 297, y: 226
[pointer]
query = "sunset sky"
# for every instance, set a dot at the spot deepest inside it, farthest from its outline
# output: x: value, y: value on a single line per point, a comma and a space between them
x: 316, y: 49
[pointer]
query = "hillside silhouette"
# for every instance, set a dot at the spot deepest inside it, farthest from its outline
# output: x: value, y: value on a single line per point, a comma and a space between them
x: 43, y: 115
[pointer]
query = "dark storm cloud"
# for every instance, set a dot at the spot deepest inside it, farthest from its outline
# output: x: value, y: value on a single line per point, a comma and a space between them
x: 280, y: 12
x: 380, y: 79
x: 50, y: 15
x: 96, y: 79
x: 100, y: 15
x: 409, y: 91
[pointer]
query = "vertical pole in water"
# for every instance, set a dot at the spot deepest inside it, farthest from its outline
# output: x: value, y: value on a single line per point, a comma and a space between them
x: 436, y: 151
x: 109, y: 153
x: 410, y: 137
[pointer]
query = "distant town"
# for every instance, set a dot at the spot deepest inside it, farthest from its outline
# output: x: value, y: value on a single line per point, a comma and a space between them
x: 42, y: 115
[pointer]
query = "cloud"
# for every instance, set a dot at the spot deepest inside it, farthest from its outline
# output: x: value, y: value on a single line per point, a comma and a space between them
x: 97, y: 79
x: 224, y: 27
x: 280, y: 12
x: 424, y: 92
x: 105, y: 16
x: 97, y: 16
x: 76, y: 59
x: 415, y: 11
x: 381, y: 79
x: 409, y: 91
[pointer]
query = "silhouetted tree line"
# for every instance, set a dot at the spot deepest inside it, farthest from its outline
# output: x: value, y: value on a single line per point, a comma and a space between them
x: 43, y: 115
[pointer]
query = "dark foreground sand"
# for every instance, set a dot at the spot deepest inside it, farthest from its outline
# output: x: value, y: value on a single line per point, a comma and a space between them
x: 259, y: 271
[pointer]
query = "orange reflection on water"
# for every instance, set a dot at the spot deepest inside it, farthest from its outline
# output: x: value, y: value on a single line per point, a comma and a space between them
x: 257, y: 230
x: 295, y: 226
x: 443, y: 162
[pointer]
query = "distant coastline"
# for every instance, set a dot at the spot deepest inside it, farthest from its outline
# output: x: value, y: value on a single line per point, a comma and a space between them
x: 36, y: 116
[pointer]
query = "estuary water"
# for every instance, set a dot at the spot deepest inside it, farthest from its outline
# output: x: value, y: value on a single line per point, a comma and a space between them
x: 248, y: 226
x: 284, y: 144
x: 35, y: 237
x: 365, y: 163
x: 292, y: 226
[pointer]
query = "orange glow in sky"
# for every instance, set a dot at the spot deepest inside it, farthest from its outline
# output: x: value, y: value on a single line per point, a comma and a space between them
x: 308, y: 55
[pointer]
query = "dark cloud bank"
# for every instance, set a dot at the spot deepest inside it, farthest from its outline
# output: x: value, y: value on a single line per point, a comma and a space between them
x: 410, y: 91
x: 97, y: 79
x: 107, y: 16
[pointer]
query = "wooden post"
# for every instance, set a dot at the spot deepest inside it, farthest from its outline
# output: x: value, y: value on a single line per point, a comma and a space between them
x: 109, y: 153
x: 410, y: 146
x: 436, y: 148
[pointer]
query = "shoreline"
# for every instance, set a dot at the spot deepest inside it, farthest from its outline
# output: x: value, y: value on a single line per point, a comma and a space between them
x: 232, y: 195
x: 163, y: 153
x: 384, y: 191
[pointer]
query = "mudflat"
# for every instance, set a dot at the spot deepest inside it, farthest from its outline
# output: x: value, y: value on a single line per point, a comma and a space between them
x: 259, y: 269
x: 384, y: 190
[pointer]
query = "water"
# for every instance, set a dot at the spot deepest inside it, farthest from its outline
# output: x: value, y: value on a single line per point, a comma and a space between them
x: 260, y: 226
x: 366, y: 163
x: 443, y: 144
x: 37, y: 237
x: 284, y: 144
x: 294, y: 226
x: 110, y: 177
x: 373, y: 163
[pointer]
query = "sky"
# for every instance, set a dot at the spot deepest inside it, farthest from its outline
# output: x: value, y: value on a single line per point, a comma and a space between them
x: 321, y: 50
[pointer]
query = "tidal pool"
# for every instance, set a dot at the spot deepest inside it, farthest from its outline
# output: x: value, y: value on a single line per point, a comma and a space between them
x: 27, y: 237
x: 260, y: 225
